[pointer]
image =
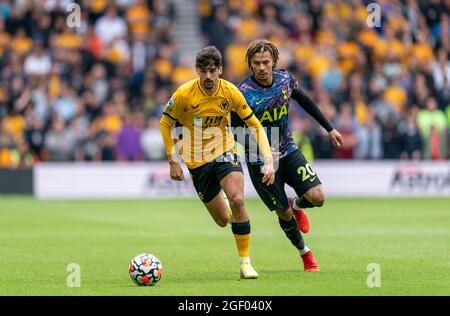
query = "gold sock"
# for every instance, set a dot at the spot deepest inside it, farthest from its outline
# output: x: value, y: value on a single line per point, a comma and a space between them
x: 243, y: 245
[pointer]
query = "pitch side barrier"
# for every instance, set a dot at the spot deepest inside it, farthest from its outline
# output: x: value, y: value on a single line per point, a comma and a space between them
x: 16, y: 181
x: 151, y: 180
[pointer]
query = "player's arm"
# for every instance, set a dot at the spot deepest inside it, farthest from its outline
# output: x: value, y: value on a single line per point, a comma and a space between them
x: 169, y: 118
x: 312, y: 109
x: 244, y: 111
x: 246, y: 115
x: 237, y: 122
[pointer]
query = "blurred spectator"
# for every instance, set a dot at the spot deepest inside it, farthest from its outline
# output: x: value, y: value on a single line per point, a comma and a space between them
x: 411, y: 142
x: 391, y: 139
x: 152, y: 142
x: 110, y: 27
x: 433, y: 126
x: 6, y: 146
x: 128, y: 145
x: 301, y: 138
x: 59, y: 142
x: 369, y: 139
x: 65, y: 104
x: 21, y: 156
x: 88, y: 149
x: 37, y: 63
x: 347, y: 126
x: 219, y: 32
x: 34, y: 135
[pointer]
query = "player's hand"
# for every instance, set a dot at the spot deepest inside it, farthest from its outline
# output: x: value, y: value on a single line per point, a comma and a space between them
x: 176, y: 173
x: 336, y: 138
x: 269, y: 172
x: 275, y: 154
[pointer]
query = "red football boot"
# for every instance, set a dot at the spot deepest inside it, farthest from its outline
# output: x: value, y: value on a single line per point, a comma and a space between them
x: 300, y: 217
x: 309, y: 263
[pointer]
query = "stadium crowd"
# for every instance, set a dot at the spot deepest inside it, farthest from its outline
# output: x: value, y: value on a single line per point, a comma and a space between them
x: 96, y: 91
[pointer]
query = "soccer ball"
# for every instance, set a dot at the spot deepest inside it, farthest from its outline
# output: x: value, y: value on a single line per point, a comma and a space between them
x: 146, y: 269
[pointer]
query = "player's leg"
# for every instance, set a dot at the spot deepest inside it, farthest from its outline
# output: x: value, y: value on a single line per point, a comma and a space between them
x: 303, y: 179
x: 209, y: 191
x: 274, y: 197
x: 312, y: 198
x: 311, y: 193
x: 290, y: 227
x: 298, y: 173
x: 219, y: 210
x: 207, y: 181
x: 232, y: 182
x: 233, y: 186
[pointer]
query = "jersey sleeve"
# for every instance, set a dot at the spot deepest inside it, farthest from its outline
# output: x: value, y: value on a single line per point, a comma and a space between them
x: 171, y: 114
x: 311, y: 108
x: 174, y: 108
x: 240, y: 105
x: 293, y: 83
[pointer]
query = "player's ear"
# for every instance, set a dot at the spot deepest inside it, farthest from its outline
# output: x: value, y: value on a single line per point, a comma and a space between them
x: 220, y: 70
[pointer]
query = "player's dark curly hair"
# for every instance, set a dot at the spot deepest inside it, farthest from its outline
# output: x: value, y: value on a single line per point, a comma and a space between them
x: 260, y: 46
x: 208, y: 56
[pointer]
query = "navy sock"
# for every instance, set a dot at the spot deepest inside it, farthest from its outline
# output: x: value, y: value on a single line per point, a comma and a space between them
x: 302, y: 202
x: 241, y: 228
x: 292, y: 232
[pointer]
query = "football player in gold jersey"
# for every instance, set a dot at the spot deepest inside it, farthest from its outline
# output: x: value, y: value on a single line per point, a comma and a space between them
x: 202, y: 107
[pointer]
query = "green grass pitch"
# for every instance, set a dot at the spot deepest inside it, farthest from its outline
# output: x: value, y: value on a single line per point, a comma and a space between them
x: 408, y: 238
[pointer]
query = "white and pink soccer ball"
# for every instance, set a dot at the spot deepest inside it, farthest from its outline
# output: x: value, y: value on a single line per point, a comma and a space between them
x: 145, y: 269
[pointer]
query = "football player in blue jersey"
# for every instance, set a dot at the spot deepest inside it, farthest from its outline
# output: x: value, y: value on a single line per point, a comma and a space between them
x: 268, y: 92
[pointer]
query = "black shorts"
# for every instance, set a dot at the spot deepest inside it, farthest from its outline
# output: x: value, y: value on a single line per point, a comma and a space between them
x: 207, y: 178
x: 293, y: 170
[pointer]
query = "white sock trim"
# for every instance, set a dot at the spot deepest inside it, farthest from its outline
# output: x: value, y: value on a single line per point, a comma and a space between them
x: 294, y: 204
x: 244, y: 259
x: 304, y: 251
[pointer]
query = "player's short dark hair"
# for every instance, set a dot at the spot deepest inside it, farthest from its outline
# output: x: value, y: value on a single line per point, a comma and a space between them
x: 208, y: 56
x: 260, y: 46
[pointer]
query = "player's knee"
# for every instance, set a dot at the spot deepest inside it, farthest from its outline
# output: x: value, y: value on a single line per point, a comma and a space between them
x: 318, y: 198
x: 222, y: 222
x: 236, y: 202
x: 285, y: 215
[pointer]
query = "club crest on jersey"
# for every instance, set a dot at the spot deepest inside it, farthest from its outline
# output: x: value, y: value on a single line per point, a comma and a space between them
x: 169, y: 105
x: 224, y: 105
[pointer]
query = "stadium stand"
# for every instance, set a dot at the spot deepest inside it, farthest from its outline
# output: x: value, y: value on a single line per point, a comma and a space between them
x: 95, y: 92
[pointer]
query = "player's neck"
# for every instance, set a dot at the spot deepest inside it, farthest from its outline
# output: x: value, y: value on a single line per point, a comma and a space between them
x: 265, y: 83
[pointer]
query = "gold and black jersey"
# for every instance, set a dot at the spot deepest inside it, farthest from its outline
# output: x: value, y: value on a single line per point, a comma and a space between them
x: 204, y: 120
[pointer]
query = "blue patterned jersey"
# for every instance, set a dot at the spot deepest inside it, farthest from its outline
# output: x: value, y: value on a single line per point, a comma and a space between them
x: 271, y: 107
